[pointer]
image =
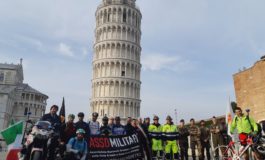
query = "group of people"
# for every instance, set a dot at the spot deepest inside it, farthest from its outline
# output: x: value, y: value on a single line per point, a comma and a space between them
x: 73, y: 135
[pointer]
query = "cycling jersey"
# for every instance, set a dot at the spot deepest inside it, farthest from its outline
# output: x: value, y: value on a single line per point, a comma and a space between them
x: 118, y: 130
x: 243, y: 124
x: 94, y: 128
x: 80, y: 145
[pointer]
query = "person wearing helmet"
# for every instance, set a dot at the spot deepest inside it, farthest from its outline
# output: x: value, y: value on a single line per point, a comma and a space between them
x: 77, y: 147
x: 55, y: 121
x: 67, y: 132
x: 105, y: 130
x: 94, y: 125
x: 170, y: 133
x: 82, y: 124
x: 155, y: 130
x: 195, y: 139
x: 117, y: 128
x: 68, y: 129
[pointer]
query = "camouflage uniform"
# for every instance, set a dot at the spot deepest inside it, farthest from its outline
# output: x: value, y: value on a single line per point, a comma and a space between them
x: 195, y: 141
x: 217, y: 137
x: 183, y: 142
x: 205, y: 142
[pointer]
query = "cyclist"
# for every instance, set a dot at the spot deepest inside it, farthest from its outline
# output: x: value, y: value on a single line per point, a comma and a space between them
x: 105, y: 129
x: 117, y: 128
x: 94, y: 125
x: 82, y: 124
x: 68, y: 131
x: 245, y: 126
x: 77, y: 147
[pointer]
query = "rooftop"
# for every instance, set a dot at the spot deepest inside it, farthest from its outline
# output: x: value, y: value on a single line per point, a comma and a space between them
x: 9, y: 66
x: 26, y: 88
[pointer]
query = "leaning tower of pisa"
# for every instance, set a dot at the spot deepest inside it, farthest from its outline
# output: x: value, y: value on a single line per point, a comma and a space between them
x: 116, y: 60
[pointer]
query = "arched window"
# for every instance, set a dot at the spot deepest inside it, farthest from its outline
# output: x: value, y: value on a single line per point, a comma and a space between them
x: 2, y: 76
x: 26, y: 111
x: 124, y: 15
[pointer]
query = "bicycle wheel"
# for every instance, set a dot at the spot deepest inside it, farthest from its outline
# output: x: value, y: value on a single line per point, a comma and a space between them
x: 225, y: 153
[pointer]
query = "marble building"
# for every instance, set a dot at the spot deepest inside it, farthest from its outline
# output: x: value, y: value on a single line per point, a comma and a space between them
x: 18, y: 98
x: 116, y: 60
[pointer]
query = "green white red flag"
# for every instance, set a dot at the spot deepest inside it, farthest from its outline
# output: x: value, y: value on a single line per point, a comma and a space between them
x: 13, y: 137
x: 229, y: 117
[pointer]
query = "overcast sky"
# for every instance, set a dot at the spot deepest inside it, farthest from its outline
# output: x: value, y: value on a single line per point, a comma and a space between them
x: 190, y: 50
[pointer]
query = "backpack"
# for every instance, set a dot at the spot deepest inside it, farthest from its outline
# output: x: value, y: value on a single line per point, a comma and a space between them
x: 251, y: 126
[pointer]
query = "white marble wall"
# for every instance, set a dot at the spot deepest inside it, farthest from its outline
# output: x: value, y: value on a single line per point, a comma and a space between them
x: 116, y: 61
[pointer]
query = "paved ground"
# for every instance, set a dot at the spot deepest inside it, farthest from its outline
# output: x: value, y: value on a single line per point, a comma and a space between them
x: 2, y: 155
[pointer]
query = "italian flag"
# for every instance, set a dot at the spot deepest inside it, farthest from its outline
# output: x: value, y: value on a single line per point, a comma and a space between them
x: 13, y: 137
x: 229, y: 117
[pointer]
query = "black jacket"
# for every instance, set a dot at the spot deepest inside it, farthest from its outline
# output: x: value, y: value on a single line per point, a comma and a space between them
x: 129, y: 129
x: 54, y: 120
x: 83, y: 125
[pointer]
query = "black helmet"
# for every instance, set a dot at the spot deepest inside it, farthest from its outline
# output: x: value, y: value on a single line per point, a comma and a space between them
x: 95, y: 114
x: 105, y: 118
x: 80, y: 114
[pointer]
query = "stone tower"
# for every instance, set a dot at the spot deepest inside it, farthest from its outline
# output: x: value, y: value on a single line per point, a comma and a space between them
x: 116, y: 60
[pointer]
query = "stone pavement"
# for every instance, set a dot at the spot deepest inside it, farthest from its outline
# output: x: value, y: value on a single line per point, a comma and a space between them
x: 2, y: 155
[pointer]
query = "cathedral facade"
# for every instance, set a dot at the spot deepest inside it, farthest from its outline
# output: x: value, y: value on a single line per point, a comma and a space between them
x: 116, y: 60
x: 17, y: 99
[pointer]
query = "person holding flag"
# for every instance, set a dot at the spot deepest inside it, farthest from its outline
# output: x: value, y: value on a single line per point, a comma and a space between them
x: 62, y: 112
x: 13, y: 137
x: 245, y: 126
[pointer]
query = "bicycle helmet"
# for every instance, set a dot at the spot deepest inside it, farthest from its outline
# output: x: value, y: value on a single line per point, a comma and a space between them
x: 71, y: 116
x: 80, y: 131
x: 105, y: 118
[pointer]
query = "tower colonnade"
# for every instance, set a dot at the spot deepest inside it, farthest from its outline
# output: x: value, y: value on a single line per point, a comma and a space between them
x: 116, y: 60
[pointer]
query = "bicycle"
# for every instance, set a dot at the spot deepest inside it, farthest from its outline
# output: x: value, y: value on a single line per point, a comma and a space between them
x: 230, y: 152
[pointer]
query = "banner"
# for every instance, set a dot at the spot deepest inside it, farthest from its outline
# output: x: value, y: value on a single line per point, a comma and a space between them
x: 125, y: 147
